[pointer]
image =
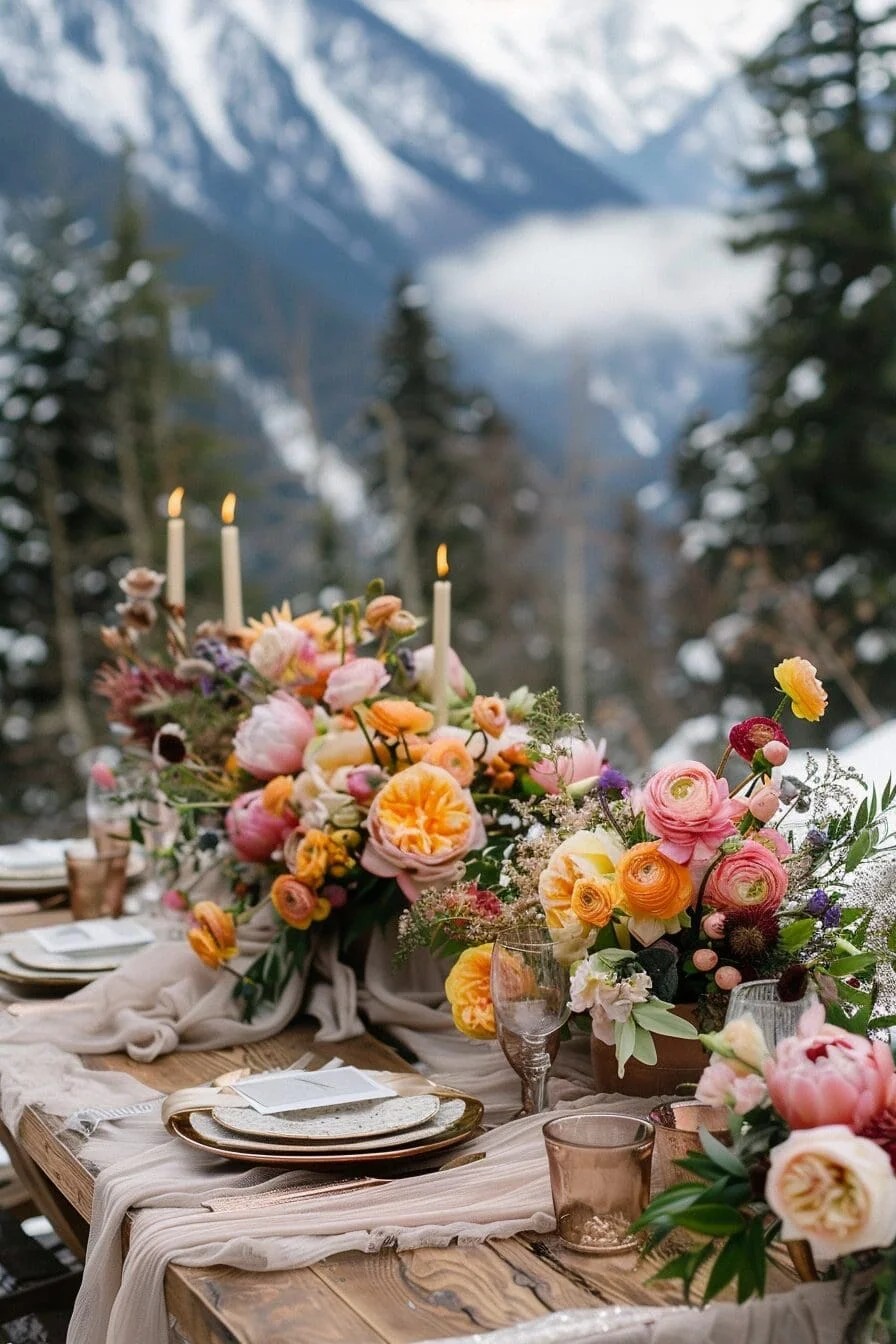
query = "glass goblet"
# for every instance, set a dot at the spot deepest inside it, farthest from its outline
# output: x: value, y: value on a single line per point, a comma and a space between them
x: 775, y: 1018
x: 530, y: 993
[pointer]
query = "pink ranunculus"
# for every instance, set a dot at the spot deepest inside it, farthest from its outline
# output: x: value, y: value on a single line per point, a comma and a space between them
x: 363, y: 782
x: 750, y: 877
x: 689, y: 810
x: 279, y: 649
x: 773, y: 840
x: 457, y: 673
x: 720, y: 1085
x: 421, y: 826
x: 273, y: 739
x: 827, y: 1076
x: 103, y: 775
x: 352, y: 682
x: 580, y: 759
x: 254, y: 832
x: 764, y: 803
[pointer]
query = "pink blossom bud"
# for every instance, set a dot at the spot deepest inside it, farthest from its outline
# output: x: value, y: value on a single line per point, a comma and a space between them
x: 776, y: 753
x: 764, y: 803
x: 726, y: 977
x: 714, y: 925
x: 705, y: 959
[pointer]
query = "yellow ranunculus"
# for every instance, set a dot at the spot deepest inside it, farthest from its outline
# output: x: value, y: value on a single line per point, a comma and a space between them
x: 593, y: 901
x: 468, y: 990
x: 587, y: 854
x: 797, y: 678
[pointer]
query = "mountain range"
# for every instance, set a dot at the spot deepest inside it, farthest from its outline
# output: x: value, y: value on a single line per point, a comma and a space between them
x: 299, y: 154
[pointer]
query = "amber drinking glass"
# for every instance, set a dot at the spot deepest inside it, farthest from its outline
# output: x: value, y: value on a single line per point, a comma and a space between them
x: 96, y: 880
x: 600, y: 1179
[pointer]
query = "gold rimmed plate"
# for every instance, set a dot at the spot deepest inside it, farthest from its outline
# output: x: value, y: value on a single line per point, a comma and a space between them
x: 330, y: 1124
x: 47, y: 981
x: 452, y: 1113
x: 281, y: 1156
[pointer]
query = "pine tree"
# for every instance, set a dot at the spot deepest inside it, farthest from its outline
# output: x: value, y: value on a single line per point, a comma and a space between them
x: 445, y: 466
x: 795, y: 503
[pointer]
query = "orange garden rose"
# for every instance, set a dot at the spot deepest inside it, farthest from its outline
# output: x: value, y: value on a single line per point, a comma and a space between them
x: 213, y: 938
x: 396, y: 718
x: 421, y: 826
x: 296, y: 903
x: 452, y: 756
x: 797, y: 678
x: 652, y: 886
x: 593, y: 901
x: 277, y: 795
x: 468, y: 990
x: 490, y: 714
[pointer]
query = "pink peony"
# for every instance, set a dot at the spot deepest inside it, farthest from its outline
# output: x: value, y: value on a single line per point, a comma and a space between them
x: 421, y: 826
x: 273, y: 739
x: 350, y: 683
x: 280, y: 650
x: 254, y: 832
x: 689, y: 810
x: 827, y: 1076
x: 750, y: 877
x: 423, y: 665
x: 581, y: 759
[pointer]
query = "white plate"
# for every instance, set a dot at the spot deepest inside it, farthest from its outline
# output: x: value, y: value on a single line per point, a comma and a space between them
x: 357, y: 1120
x: 450, y: 1112
x: 28, y: 952
x: 11, y: 971
x: 24, y: 882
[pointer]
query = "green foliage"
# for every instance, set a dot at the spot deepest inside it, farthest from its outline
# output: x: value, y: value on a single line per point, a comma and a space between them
x: 547, y: 723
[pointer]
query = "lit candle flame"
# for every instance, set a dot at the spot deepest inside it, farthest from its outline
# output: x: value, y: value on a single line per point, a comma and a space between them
x: 442, y: 561
x: 228, y: 509
x: 175, y: 500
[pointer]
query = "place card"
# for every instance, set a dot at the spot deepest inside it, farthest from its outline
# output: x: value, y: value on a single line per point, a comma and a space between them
x: 93, y: 935
x: 299, y: 1090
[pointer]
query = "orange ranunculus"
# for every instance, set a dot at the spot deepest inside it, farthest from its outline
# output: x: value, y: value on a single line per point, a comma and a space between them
x: 652, y: 886
x: 213, y: 938
x: 312, y: 858
x: 797, y: 678
x: 380, y: 611
x: 296, y: 904
x: 490, y: 714
x: 410, y: 750
x: 468, y: 990
x: 396, y: 718
x: 593, y: 901
x: 452, y: 756
x: 276, y: 796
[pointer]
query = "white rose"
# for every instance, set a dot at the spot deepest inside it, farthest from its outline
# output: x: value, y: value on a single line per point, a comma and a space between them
x: 833, y: 1189
x: 276, y: 648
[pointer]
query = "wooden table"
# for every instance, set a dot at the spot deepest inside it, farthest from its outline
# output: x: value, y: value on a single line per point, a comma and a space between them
x: 351, y: 1298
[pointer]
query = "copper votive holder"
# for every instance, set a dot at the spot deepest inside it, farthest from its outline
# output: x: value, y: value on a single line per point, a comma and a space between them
x: 600, y: 1179
x: 97, y: 880
x: 677, y: 1125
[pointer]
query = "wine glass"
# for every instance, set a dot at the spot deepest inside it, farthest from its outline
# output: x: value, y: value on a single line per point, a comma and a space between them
x: 530, y: 993
x: 111, y: 801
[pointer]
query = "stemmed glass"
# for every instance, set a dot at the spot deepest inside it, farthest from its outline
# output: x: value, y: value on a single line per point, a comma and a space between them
x: 530, y: 993
x: 110, y: 801
x: 775, y: 1018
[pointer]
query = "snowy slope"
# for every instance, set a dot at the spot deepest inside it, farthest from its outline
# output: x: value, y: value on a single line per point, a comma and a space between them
x: 605, y: 76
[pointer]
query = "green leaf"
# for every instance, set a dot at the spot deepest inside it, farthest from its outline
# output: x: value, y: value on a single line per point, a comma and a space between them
x: 625, y: 1035
x: 645, y: 1050
x: 712, y: 1220
x: 656, y: 1017
x: 797, y: 934
x: 722, y: 1156
x: 858, y: 850
x: 862, y: 961
x: 726, y: 1267
x: 756, y: 1251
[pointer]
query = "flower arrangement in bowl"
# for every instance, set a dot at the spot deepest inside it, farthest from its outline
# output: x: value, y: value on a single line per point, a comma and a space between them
x: 306, y: 769
x: 662, y: 898
x: 811, y: 1165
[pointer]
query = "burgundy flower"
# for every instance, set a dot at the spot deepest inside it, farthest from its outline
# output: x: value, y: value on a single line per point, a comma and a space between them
x: 882, y: 1131
x: 753, y: 734
x: 750, y: 935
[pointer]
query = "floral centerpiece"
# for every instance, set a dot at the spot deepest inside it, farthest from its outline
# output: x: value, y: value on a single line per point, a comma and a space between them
x: 811, y: 1164
x: 305, y: 766
x: 674, y: 892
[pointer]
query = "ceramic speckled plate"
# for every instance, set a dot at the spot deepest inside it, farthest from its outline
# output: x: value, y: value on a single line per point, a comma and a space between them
x: 357, y: 1120
x: 28, y: 952
x: 25, y: 978
x: 267, y: 1155
x: 451, y: 1111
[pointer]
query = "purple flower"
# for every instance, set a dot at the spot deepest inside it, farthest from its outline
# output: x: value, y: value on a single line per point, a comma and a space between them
x: 613, y: 781
x: 227, y: 660
x: 818, y: 903
x: 831, y: 917
x: 817, y: 839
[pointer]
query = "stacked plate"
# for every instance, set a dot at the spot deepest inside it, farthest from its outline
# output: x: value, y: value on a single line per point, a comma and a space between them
x: 37, y: 867
x: 31, y: 967
x: 377, y: 1131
